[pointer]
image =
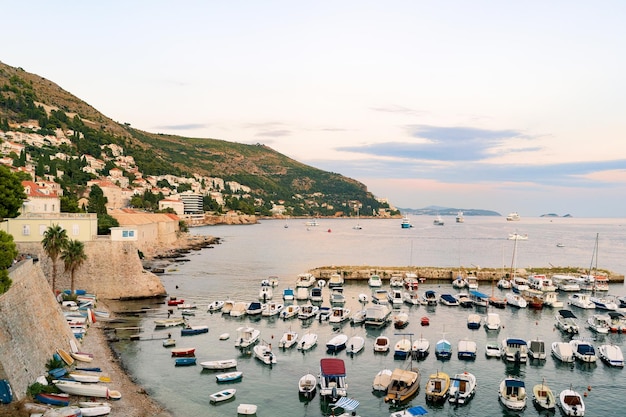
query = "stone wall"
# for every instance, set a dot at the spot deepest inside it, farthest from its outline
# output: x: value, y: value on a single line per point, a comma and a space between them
x: 112, y: 270
x: 32, y: 327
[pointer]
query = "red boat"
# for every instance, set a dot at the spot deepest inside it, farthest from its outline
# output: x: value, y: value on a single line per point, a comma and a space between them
x: 425, y: 321
x: 53, y: 399
x: 183, y: 352
x: 173, y: 301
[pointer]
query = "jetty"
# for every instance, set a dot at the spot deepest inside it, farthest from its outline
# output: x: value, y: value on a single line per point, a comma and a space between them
x: 447, y: 274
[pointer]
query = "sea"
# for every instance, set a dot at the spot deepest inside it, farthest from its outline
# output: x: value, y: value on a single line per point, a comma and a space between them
x: 234, y: 269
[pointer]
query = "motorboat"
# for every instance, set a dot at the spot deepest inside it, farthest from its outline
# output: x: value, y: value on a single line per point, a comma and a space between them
x: 492, y: 350
x: 395, y: 297
x: 307, y: 385
x: 288, y: 339
x: 562, y: 351
x: 541, y: 282
x: 288, y: 294
x: 512, y: 393
x: 337, y: 296
x: 497, y: 302
x: 566, y: 283
x: 339, y: 315
x: 289, y: 311
x: 193, y: 330
x: 402, y: 348
x: 537, y: 349
x: 229, y: 376
x: 188, y: 361
x: 332, y: 379
x: 448, y: 300
x: 239, y: 309
x: 459, y: 283
x: 515, y: 300
x: 354, y: 345
x: 404, y: 385
x: 430, y: 297
x: 171, y: 322
x: 337, y: 343
x: 478, y: 298
x: 305, y: 280
x: 401, y: 320
x: 543, y: 397
x: 266, y: 292
x: 462, y: 388
x: 443, y: 349
x: 335, y: 280
x: 223, y: 395
x: 375, y: 281
x: 599, y: 323
x: 519, y: 284
x: 551, y: 299
x: 583, y: 350
x: 396, y: 281
x: 377, y: 315
x: 272, y: 309
x: 316, y: 295
x: 255, y: 308
x: 566, y: 322
x: 504, y: 284
x: 581, y: 300
x: 515, y: 350
x: 263, y: 352
x: 247, y: 409
x: 382, y: 380
x: 473, y: 321
x: 513, y: 217
x: 358, y: 317
x: 380, y: 297
x: 464, y: 300
x: 406, y: 223
x: 246, y: 336
x: 437, y: 387
x: 219, y: 364
x: 438, y: 221
x: 534, y: 298
x: 307, y: 341
x: 611, y: 355
x: 215, y: 306
x: 459, y: 217
x: 411, y: 298
x: 466, y: 349
x: 492, y: 321
x: 302, y: 293
x: 411, y: 281
x: 472, y: 282
x: 381, y: 344
x: 323, y: 313
x: 420, y: 348
x: 363, y: 298
x: 307, y: 311
x: 571, y: 403
x: 618, y: 322
x: 228, y: 306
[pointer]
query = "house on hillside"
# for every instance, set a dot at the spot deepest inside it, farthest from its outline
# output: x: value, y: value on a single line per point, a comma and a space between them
x: 30, y: 227
x: 151, y: 229
x: 40, y: 198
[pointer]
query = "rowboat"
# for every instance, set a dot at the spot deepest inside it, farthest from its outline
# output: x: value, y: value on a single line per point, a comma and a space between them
x: 100, y: 410
x: 81, y: 357
x: 229, y: 376
x: 87, y: 390
x: 188, y: 361
x: 246, y: 409
x: 307, y: 385
x: 53, y: 399
x: 220, y: 364
x: 65, y: 356
x: 169, y: 343
x: 216, y: 306
x: 87, y: 377
x: 169, y: 322
x: 192, y: 330
x: 183, y: 351
x: 223, y: 395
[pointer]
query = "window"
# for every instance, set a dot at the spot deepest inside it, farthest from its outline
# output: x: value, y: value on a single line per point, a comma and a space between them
x: 128, y: 233
x: 42, y: 229
x: 75, y: 230
x: 26, y: 230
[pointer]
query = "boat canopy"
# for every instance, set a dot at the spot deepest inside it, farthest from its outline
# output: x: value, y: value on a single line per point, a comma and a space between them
x: 479, y: 294
x: 616, y: 315
x: 514, y: 383
x: 516, y: 342
x: 403, y: 375
x: 567, y: 314
x: 585, y: 349
x: 348, y: 404
x: 418, y: 410
x: 332, y: 367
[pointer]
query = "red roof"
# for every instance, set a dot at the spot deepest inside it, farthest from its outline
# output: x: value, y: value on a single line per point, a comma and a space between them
x: 331, y: 366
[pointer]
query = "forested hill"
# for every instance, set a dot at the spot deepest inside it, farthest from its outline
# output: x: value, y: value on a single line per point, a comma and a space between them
x: 272, y: 176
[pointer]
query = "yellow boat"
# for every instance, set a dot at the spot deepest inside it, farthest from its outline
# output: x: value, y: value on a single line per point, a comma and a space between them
x: 65, y: 356
x: 403, y: 386
x: 437, y: 387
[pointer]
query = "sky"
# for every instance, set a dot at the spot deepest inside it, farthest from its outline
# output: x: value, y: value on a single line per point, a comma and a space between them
x: 504, y: 106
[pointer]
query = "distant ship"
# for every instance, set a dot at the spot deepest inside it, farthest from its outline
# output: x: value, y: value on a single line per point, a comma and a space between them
x: 459, y: 217
x: 513, y: 217
x: 406, y: 223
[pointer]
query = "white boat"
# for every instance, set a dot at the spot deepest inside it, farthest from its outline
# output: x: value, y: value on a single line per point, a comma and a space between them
x: 513, y: 217
x: 263, y: 352
x: 438, y: 221
x: 169, y: 322
x: 81, y: 357
x: 377, y: 315
x: 571, y: 403
x: 229, y: 376
x: 169, y: 342
x: 473, y: 321
x: 273, y: 280
x: 312, y: 223
x: 239, y: 309
x: 599, y: 323
x: 395, y: 297
x: 551, y: 299
x: 581, y: 300
x: 406, y: 223
x: 382, y: 380
x: 316, y: 295
x: 332, y: 379
x: 336, y: 343
x: 504, y: 284
x: 611, y: 355
x: 336, y: 296
x: 462, y: 388
x: 566, y: 283
x: 307, y: 385
x: 88, y: 377
x: 375, y: 281
x: 339, y: 315
x: 308, y: 311
x: 272, y: 309
x: 99, y: 410
x: 430, y: 297
x: 219, y: 364
x: 562, y: 351
x: 290, y: 311
x: 411, y: 298
x: 396, y: 281
x: 380, y: 297
x: 354, y: 345
x: 512, y: 393
x: 246, y: 409
x: 401, y: 320
x: 515, y: 300
x: 604, y: 303
x: 254, y: 308
x: 543, y: 397
x: 566, y: 322
x: 305, y: 280
x: 492, y: 321
x: 537, y: 349
x: 381, y: 344
x: 402, y: 348
x: 583, y: 350
x: 307, y: 341
x: 466, y: 349
x: 224, y: 336
x: 288, y: 339
x: 87, y: 390
x: 288, y: 294
x: 228, y: 305
x: 515, y: 350
x: 323, y: 313
x: 492, y: 350
x: 223, y: 395
x: 266, y: 293
x: 420, y: 348
x: 459, y: 283
x: 448, y: 300
x: 363, y: 298
x: 358, y: 317
x: 246, y: 336
x: 302, y: 293
x: 459, y: 217
x: 518, y: 236
x: 335, y: 280
x: 215, y: 306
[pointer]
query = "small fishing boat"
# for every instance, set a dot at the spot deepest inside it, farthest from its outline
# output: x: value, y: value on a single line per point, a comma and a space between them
x: 512, y: 393
x: 402, y: 348
x: 223, y: 395
x: 381, y: 344
x: 425, y: 321
x: 492, y: 322
x: 437, y: 387
x: 515, y: 350
x: 473, y: 321
x: 169, y: 342
x: 263, y: 352
x: 354, y: 345
x: 307, y: 311
x: 382, y: 380
x: 288, y: 339
x: 246, y: 409
x: 188, y: 351
x: 443, y: 349
x: 272, y: 309
x: 404, y: 385
x: 420, y: 348
x: 193, y: 330
x: 290, y: 311
x: 337, y: 343
x: 82, y: 357
x: 543, y: 397
x: 169, y: 322
x: 339, y: 315
x: 187, y: 361
x: 307, y: 385
x: 246, y: 336
x: 229, y: 376
x: 562, y: 351
x: 401, y: 320
x: 333, y: 384
x: 566, y: 322
x: 359, y: 317
x: 215, y: 306
x: 224, y: 336
x: 307, y: 341
x: 98, y: 409
x: 611, y: 355
x: 537, y: 349
x: 53, y: 399
x: 219, y: 364
x: 492, y: 350
x: 571, y: 403
x: 583, y: 350
x: 466, y: 349
x: 462, y: 388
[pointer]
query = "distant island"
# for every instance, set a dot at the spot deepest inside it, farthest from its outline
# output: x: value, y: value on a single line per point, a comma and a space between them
x: 450, y: 211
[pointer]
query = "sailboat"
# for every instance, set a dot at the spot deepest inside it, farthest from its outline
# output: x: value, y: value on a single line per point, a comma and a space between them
x: 593, y: 281
x: 357, y: 226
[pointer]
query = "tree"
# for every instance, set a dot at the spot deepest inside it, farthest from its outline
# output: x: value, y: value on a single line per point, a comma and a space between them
x: 97, y: 201
x: 11, y: 193
x: 73, y: 257
x: 55, y: 240
x: 8, y: 252
x: 105, y: 223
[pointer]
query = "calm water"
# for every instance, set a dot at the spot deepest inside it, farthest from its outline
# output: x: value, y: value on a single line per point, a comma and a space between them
x: 249, y: 254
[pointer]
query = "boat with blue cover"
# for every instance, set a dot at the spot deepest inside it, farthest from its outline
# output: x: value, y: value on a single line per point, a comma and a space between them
x: 192, y: 330
x: 187, y: 361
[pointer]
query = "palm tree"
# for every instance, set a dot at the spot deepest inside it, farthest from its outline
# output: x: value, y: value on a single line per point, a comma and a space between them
x: 73, y: 256
x: 54, y: 241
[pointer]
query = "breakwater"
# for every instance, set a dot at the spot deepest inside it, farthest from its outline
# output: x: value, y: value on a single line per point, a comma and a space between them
x: 446, y: 274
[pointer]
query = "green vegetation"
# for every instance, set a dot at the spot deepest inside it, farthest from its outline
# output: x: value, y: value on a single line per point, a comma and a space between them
x: 8, y: 252
x: 54, y: 241
x: 73, y: 257
x: 11, y: 193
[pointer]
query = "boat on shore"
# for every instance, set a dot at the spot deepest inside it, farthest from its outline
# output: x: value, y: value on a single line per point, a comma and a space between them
x: 87, y: 390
